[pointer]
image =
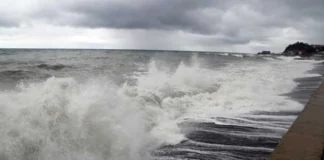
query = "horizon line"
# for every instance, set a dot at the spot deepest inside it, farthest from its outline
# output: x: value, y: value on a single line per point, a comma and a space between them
x: 168, y: 50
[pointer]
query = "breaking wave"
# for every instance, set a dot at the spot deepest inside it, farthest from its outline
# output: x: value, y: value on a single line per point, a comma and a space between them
x: 61, y: 118
x: 237, y: 55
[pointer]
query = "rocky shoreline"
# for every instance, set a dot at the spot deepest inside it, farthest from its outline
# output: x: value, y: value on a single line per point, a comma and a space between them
x: 304, y: 50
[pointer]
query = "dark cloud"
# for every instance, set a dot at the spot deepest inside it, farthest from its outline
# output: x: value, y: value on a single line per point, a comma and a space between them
x: 5, y: 22
x: 234, y: 19
x: 230, y: 22
x: 185, y: 15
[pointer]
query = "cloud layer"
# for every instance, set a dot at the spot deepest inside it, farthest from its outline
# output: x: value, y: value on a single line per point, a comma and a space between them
x: 232, y: 25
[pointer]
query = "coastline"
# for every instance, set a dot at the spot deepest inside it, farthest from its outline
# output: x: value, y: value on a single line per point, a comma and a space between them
x: 305, y: 138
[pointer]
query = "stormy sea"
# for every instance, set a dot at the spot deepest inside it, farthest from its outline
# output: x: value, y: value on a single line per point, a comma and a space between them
x: 148, y: 105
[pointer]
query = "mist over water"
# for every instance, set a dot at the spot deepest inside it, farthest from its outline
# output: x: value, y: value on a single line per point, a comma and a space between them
x: 122, y: 105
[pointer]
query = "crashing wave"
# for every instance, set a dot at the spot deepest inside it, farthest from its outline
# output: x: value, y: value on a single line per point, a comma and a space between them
x: 62, y: 118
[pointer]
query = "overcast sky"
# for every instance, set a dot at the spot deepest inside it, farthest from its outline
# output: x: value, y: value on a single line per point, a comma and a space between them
x: 207, y: 25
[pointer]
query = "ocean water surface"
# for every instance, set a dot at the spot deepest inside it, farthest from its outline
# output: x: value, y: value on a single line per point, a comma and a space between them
x: 143, y: 105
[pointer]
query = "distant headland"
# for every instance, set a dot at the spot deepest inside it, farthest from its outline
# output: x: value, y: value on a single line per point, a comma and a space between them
x: 299, y: 49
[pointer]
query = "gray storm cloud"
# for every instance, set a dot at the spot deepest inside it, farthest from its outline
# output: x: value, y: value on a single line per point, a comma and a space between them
x: 207, y: 16
x: 187, y: 15
x: 231, y: 22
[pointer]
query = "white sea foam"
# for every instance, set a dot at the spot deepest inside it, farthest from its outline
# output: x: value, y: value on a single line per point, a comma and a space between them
x: 237, y: 55
x: 62, y: 118
x: 237, y: 88
x: 224, y: 54
x: 291, y: 58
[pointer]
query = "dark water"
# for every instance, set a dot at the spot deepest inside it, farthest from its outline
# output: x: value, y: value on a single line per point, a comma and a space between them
x: 122, y: 104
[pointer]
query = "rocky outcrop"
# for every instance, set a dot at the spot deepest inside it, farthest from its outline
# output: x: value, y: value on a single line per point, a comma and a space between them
x: 300, y: 49
x: 319, y: 48
x: 264, y: 53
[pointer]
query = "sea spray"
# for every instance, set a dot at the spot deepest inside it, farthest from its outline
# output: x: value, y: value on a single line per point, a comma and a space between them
x: 142, y: 106
x: 63, y: 119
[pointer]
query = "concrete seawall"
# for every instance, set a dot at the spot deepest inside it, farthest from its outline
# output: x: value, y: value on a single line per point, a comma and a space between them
x: 305, y: 138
